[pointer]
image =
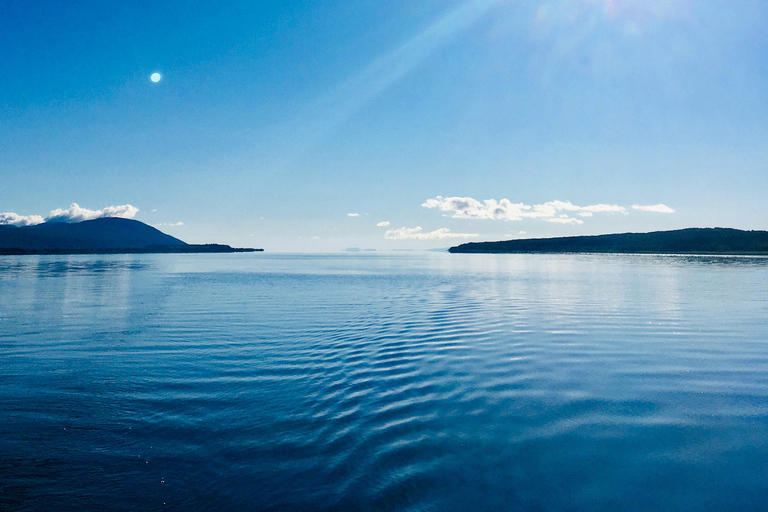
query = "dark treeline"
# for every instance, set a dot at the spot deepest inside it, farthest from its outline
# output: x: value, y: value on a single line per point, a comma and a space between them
x: 682, y: 241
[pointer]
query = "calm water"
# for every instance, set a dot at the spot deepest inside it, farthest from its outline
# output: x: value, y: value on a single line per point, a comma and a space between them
x: 366, y: 382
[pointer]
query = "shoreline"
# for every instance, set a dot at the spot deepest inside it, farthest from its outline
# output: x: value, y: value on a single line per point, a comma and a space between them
x: 184, y: 249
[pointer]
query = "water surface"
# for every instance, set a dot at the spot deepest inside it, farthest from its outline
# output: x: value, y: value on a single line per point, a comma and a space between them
x: 375, y: 382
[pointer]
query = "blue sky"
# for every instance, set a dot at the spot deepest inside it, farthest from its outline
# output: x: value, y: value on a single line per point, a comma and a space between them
x: 274, y: 121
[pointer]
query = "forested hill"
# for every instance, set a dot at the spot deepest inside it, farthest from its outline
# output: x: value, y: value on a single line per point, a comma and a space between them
x: 105, y: 235
x: 681, y: 241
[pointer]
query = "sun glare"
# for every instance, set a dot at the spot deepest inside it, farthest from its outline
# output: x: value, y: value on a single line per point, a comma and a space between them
x: 155, y: 77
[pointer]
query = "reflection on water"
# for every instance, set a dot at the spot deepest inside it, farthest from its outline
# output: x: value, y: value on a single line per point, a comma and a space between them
x: 58, y: 266
x: 370, y: 382
x: 685, y: 259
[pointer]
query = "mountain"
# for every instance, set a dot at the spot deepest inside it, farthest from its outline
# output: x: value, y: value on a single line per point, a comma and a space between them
x: 105, y: 235
x: 681, y: 241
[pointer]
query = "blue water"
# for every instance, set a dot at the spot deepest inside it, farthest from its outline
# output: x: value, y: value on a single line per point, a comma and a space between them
x: 370, y: 382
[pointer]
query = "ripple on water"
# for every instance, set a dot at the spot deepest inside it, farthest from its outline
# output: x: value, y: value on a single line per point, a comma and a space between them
x: 437, y: 382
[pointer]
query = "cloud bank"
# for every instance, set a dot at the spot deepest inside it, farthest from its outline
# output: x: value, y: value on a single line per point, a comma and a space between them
x: 657, y: 208
x: 417, y: 234
x: 551, y: 211
x: 564, y: 219
x: 14, y: 219
x: 75, y: 213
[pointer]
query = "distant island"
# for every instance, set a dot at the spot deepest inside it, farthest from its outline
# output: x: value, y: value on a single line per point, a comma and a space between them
x: 680, y: 241
x: 109, y: 235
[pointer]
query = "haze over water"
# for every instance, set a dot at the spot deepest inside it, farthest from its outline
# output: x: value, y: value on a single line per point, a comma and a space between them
x: 379, y: 382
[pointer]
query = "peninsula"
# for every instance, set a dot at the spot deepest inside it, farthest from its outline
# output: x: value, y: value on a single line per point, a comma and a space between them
x: 681, y: 241
x: 110, y: 235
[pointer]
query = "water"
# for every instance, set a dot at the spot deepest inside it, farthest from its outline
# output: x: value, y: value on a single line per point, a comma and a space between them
x: 368, y: 382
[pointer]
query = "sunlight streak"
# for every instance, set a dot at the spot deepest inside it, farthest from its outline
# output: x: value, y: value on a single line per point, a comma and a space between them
x: 331, y: 112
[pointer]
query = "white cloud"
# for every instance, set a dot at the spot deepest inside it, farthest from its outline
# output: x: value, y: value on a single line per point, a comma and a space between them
x: 417, y: 234
x: 169, y: 224
x: 657, y: 208
x: 382, y: 224
x: 564, y: 219
x: 14, y: 219
x: 353, y: 215
x: 469, y: 208
x: 77, y: 214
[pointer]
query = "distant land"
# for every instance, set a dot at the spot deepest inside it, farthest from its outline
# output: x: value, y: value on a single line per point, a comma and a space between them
x: 680, y: 241
x: 98, y: 236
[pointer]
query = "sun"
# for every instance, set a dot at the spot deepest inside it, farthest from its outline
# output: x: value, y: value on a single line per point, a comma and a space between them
x: 155, y: 77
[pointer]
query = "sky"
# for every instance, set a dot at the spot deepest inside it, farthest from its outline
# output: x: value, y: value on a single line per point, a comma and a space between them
x: 301, y: 126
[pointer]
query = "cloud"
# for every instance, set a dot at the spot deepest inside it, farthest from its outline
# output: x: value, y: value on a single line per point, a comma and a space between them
x: 564, y: 219
x: 70, y: 215
x: 169, y: 224
x: 14, y: 219
x: 551, y: 211
x: 417, y: 234
x: 353, y: 215
x: 77, y: 214
x: 382, y: 224
x: 469, y: 208
x: 657, y: 208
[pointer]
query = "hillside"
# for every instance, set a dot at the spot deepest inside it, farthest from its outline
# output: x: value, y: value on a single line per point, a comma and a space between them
x: 681, y: 241
x: 105, y: 235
